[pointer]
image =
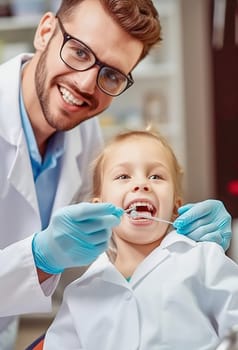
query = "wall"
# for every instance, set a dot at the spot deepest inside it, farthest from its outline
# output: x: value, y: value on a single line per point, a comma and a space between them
x: 198, y: 100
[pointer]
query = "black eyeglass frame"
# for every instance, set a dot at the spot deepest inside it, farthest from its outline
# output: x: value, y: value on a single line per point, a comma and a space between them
x: 67, y: 37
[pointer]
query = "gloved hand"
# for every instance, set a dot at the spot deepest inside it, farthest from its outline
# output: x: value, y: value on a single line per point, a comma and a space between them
x: 76, y: 236
x: 205, y: 221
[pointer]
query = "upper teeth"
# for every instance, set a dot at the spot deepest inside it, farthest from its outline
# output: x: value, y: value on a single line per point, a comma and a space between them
x: 142, y: 204
x: 69, y: 98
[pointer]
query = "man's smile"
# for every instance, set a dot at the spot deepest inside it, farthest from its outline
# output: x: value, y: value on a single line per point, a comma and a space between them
x: 69, y: 97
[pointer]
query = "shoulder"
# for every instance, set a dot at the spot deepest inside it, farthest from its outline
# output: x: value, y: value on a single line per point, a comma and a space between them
x: 206, y: 259
x: 181, y: 243
x: 95, y: 269
x: 15, y: 62
x: 90, y: 131
x: 10, y: 73
x: 91, y: 127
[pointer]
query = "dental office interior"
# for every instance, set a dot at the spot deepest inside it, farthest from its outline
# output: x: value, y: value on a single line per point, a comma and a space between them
x: 187, y: 87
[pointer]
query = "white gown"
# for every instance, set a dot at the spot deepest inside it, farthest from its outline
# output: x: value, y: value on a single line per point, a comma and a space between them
x: 184, y: 295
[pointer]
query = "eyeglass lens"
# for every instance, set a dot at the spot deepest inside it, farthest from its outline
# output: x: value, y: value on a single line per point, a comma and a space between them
x: 79, y: 57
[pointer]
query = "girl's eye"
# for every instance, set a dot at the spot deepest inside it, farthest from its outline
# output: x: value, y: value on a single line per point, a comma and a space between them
x: 155, y: 177
x: 122, y: 177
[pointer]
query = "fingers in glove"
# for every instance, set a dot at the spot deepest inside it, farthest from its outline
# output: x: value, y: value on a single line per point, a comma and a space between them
x: 184, y: 208
x: 82, y: 211
x: 194, y: 213
x: 198, y: 225
x: 88, y: 253
x: 97, y: 237
x: 90, y: 226
x: 211, y: 237
x: 196, y: 233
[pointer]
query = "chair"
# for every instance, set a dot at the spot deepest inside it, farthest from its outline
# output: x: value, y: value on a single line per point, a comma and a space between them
x: 37, y: 344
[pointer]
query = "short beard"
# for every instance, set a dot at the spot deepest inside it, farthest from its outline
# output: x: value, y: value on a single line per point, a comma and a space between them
x: 40, y: 78
x: 43, y: 96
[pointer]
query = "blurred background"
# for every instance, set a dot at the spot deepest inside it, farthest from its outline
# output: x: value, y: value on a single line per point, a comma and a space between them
x: 187, y: 87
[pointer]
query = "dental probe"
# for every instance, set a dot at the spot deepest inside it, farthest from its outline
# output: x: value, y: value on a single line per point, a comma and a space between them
x: 134, y: 214
x: 130, y: 210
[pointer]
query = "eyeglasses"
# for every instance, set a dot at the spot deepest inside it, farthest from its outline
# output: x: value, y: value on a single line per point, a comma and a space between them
x: 78, y: 56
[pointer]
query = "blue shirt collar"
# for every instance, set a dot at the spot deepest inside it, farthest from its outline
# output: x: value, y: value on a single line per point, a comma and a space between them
x: 55, y: 147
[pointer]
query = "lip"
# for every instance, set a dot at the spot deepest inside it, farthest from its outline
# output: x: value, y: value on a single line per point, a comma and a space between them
x: 141, y: 222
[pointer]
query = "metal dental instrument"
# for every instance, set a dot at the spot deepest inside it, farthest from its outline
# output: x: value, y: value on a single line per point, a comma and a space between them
x: 134, y: 214
x: 130, y: 210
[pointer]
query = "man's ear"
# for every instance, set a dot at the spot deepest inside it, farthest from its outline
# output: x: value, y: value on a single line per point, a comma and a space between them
x: 44, y: 31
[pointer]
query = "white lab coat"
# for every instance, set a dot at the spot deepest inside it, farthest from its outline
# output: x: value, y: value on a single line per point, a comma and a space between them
x: 183, y: 296
x: 20, y: 291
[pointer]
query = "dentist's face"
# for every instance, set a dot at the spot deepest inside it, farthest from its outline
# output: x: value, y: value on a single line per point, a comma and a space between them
x: 68, y: 97
x: 137, y: 172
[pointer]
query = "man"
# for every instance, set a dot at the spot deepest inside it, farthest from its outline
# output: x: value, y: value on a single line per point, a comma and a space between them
x: 83, y: 59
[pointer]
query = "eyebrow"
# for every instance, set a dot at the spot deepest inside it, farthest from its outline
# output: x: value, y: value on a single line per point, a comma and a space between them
x: 129, y: 164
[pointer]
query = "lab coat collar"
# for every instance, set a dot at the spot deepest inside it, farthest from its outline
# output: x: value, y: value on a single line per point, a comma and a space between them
x: 66, y: 189
x: 174, y: 238
x: 98, y: 267
x: 70, y: 169
x: 20, y: 170
x: 11, y: 131
x: 10, y: 72
x: 159, y: 254
x: 105, y: 270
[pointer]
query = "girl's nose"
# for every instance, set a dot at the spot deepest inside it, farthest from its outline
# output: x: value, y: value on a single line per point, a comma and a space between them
x: 142, y: 187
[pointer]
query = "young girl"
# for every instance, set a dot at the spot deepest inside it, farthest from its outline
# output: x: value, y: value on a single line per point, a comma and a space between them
x: 160, y: 290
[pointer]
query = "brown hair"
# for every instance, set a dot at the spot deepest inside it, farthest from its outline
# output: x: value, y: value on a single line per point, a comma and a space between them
x: 139, y: 18
x: 177, y: 172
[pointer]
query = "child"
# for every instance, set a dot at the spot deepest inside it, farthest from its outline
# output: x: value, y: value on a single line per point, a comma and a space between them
x: 161, y: 290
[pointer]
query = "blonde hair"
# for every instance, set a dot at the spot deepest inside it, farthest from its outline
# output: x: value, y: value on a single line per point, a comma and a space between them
x: 98, y: 164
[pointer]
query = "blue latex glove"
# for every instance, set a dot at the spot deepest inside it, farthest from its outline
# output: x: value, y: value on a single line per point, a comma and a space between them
x: 205, y: 221
x: 76, y: 236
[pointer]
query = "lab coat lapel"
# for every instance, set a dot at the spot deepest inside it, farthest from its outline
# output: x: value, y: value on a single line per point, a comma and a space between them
x: 20, y: 174
x: 105, y: 269
x: 98, y: 267
x: 159, y: 255
x: 98, y: 294
x: 10, y: 121
x: 70, y: 179
x: 107, y: 272
x: 149, y: 263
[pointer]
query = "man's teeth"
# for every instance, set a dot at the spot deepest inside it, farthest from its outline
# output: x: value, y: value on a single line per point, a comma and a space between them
x: 69, y: 98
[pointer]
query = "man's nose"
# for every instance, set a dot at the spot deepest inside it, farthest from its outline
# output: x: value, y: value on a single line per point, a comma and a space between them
x: 86, y: 81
